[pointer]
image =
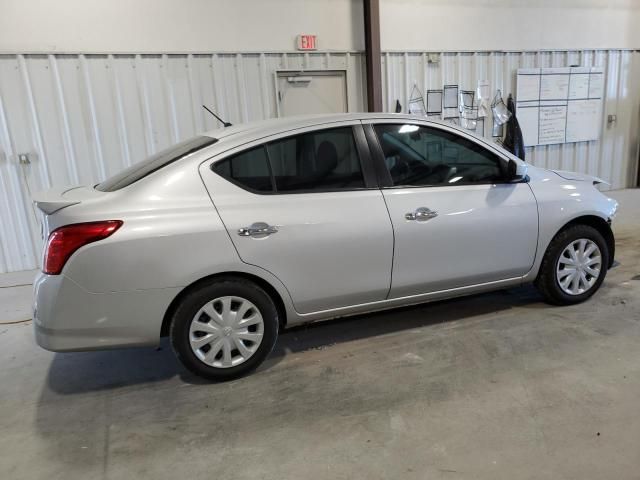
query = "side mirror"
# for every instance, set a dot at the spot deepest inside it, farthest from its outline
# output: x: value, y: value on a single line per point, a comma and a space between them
x: 516, y: 171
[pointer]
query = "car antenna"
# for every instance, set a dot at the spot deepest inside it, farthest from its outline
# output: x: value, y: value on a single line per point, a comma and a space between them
x: 226, y: 124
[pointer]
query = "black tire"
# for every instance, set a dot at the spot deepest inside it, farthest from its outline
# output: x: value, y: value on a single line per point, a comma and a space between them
x: 547, y: 282
x: 194, y: 300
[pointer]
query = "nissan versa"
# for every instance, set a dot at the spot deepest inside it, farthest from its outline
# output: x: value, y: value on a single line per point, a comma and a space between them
x: 222, y: 240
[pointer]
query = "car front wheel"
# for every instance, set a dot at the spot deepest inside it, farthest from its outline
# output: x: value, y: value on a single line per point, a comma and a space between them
x: 574, y: 265
x: 224, y: 329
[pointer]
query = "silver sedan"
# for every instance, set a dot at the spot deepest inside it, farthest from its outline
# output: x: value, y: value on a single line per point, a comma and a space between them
x: 224, y: 239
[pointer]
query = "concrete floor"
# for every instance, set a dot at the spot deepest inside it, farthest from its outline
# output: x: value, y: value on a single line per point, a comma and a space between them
x: 492, y: 386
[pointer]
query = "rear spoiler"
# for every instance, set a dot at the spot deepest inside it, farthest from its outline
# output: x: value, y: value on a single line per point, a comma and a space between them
x: 50, y: 201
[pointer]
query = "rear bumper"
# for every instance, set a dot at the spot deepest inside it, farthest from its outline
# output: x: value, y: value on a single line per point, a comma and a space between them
x: 66, y: 317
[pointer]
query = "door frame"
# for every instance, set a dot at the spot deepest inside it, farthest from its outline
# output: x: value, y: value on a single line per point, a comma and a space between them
x: 386, y: 185
x: 296, y: 72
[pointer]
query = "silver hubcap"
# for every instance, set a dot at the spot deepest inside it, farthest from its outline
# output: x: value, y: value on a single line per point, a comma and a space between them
x: 579, y: 266
x: 226, y: 332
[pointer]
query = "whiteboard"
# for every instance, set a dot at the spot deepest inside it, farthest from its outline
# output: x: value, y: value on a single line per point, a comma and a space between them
x: 559, y: 105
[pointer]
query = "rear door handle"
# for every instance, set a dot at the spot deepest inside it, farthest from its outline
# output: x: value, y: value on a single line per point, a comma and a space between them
x: 421, y: 214
x: 258, y: 229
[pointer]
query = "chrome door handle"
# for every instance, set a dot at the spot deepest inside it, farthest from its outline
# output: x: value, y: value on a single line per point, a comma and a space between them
x: 258, y: 229
x: 421, y: 214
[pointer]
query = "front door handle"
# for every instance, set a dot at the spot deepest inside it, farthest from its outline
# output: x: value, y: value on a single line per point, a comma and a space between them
x: 421, y: 214
x: 258, y: 229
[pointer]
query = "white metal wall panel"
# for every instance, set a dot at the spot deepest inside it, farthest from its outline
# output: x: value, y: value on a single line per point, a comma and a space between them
x: 613, y: 157
x: 82, y: 118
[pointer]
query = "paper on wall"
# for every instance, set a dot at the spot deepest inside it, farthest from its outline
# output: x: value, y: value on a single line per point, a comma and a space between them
x: 483, y: 94
x: 434, y: 102
x: 466, y: 99
x: 469, y: 118
x: 416, y: 102
x: 416, y: 107
x: 450, y: 102
x: 501, y: 113
x: 451, y: 96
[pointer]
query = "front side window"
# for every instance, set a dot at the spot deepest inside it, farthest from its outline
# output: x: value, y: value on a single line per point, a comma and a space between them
x: 322, y: 160
x: 424, y: 156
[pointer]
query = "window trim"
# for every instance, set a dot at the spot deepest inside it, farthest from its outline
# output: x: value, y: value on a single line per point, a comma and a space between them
x: 384, y: 176
x: 377, y: 156
x: 364, y: 158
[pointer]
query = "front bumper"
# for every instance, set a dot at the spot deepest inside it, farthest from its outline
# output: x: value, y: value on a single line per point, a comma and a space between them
x: 66, y: 317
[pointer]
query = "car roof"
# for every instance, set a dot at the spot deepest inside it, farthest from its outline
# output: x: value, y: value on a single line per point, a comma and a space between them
x: 272, y: 125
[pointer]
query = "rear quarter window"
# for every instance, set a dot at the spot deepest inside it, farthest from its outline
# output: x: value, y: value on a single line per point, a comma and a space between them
x: 249, y: 170
x: 154, y: 163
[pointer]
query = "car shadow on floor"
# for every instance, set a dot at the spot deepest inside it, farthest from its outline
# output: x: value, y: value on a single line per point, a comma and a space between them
x: 72, y: 373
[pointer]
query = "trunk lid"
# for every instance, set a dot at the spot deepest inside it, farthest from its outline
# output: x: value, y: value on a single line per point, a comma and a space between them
x: 51, y: 201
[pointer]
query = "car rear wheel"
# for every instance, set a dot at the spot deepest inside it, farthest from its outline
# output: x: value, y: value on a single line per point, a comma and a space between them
x: 574, y: 265
x: 224, y: 329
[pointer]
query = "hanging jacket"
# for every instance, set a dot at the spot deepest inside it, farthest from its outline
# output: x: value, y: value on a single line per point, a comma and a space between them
x: 513, y: 140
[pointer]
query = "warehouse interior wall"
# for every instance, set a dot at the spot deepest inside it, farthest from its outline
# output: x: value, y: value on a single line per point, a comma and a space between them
x: 177, y: 26
x: 192, y: 26
x: 473, y: 25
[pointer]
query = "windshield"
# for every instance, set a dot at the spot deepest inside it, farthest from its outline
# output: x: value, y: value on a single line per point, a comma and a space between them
x: 153, y: 163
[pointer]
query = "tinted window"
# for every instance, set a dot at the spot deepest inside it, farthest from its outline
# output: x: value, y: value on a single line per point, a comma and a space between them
x: 316, y: 161
x: 154, y: 163
x: 249, y: 169
x: 322, y: 160
x: 418, y: 155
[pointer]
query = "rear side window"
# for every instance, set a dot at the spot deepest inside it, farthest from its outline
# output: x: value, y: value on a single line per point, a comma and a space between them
x: 154, y: 163
x: 324, y: 160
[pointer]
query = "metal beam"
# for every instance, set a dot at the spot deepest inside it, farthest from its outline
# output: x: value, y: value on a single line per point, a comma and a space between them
x: 372, y: 54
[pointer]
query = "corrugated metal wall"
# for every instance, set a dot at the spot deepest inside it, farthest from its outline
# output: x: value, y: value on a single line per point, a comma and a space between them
x: 613, y: 157
x: 82, y: 118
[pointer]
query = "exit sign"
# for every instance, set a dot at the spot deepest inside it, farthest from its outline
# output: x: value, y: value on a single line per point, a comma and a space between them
x: 307, y: 42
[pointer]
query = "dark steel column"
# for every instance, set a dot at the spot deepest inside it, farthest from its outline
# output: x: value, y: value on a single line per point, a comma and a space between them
x: 372, y: 53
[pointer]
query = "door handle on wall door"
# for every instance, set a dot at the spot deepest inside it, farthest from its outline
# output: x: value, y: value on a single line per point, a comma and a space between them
x: 258, y: 229
x: 421, y: 214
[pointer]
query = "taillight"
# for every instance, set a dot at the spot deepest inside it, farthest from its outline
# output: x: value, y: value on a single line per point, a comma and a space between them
x: 65, y: 240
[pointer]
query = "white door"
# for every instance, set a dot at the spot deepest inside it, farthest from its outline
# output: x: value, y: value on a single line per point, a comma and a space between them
x: 456, y: 220
x: 300, y: 208
x: 311, y: 92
